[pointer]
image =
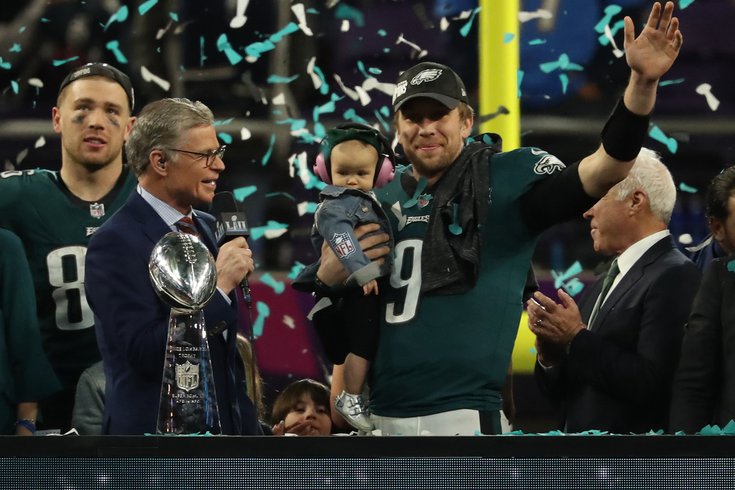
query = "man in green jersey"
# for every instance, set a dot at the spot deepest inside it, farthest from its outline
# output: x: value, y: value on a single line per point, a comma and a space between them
x: 466, y: 219
x: 55, y: 213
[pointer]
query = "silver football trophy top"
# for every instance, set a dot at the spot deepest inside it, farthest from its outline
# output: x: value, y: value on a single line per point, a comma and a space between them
x: 183, y: 272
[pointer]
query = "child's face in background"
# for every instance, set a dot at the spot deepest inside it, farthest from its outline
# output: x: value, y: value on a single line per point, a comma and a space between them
x: 353, y: 165
x: 316, y: 415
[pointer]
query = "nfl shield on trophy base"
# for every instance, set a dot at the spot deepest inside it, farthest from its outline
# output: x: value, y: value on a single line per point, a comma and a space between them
x: 184, y: 276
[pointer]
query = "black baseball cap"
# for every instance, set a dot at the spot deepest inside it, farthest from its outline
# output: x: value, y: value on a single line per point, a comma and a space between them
x: 102, y: 70
x: 432, y: 80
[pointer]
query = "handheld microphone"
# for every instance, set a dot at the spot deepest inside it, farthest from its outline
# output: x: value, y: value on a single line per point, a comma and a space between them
x: 231, y: 223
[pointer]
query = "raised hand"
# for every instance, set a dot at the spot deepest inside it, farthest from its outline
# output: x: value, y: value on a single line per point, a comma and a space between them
x: 652, y: 53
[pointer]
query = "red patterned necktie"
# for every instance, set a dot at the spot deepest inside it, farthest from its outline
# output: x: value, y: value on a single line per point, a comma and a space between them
x: 186, y: 225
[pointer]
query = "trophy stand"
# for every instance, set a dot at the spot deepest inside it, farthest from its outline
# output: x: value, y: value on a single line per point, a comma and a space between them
x: 188, y: 402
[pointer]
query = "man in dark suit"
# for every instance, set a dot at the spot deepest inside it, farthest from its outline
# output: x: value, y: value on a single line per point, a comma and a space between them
x: 704, y: 385
x: 611, y: 365
x: 174, y: 152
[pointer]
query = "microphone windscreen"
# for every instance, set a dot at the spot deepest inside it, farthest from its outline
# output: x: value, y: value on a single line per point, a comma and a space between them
x: 232, y: 222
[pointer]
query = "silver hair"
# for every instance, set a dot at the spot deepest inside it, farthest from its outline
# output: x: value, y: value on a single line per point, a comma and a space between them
x: 651, y: 176
x: 161, y: 125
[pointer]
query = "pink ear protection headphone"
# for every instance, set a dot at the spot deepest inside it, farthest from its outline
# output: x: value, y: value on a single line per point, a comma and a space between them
x: 385, y: 168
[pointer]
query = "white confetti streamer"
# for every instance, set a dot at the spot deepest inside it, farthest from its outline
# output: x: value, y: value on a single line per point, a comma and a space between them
x: 536, y: 14
x: 300, y: 14
x: 706, y: 90
x: 608, y: 34
x: 150, y: 77
x: 240, y: 18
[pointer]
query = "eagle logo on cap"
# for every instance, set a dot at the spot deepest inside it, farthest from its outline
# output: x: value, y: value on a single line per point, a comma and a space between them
x: 428, y: 75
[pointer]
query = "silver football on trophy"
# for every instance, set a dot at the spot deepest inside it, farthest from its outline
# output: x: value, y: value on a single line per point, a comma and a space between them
x: 183, y: 272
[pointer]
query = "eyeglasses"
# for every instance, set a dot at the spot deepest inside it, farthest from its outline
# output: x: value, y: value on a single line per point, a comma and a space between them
x: 210, y: 155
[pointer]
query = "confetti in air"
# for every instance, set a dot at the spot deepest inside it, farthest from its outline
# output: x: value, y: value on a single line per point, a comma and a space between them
x: 150, y: 77
x: 144, y: 7
x: 706, y: 90
x: 240, y: 18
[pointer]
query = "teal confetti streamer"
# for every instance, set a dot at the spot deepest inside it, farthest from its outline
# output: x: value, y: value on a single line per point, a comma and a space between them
x: 274, y: 284
x: 671, y: 82
x: 264, y: 312
x: 144, y: 7
x: 120, y: 16
x: 44, y: 20
x: 687, y: 188
x: 222, y: 122
x: 420, y: 186
x: 685, y: 3
x: 561, y: 277
x: 268, y: 153
x: 731, y: 266
x: 520, y: 81
x: 280, y: 79
x: 243, y: 192
x: 296, y: 269
x: 351, y: 115
x: 114, y: 46
x: 14, y: 86
x: 382, y: 121
x: 202, y: 56
x: 375, y: 71
x: 6, y: 65
x: 257, y: 48
x: 15, y: 48
x: 277, y: 194
x: 224, y: 46
x: 564, y: 79
x: 563, y: 63
x: 658, y: 135
x: 508, y: 37
x: 174, y: 16
x: 361, y: 67
x: 567, y: 280
x: 465, y: 29
x: 311, y: 207
x: 385, y: 111
x: 610, y: 12
x: 324, y: 87
x: 350, y: 13
x: 259, y: 231
x: 454, y: 227
x: 61, y: 62
x: 536, y: 42
x: 290, y: 28
x: 226, y: 138
x: 382, y: 33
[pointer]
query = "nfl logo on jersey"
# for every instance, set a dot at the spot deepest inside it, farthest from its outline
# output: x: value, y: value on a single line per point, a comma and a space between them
x: 342, y: 244
x: 97, y: 210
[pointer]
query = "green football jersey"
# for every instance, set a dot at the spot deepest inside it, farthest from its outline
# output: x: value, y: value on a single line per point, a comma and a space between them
x: 55, y: 228
x: 446, y: 352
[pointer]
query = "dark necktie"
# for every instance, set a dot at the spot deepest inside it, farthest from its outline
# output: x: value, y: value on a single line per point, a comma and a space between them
x: 612, y: 273
x: 186, y: 225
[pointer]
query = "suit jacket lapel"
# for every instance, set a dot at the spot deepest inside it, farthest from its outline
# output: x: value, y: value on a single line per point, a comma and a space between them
x: 631, y: 278
x: 151, y: 223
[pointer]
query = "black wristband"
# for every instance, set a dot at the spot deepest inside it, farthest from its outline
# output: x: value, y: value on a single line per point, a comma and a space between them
x: 624, y: 133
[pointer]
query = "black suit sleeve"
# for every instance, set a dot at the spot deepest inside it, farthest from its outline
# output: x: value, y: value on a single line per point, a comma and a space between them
x: 564, y: 189
x: 640, y: 375
x: 698, y: 378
